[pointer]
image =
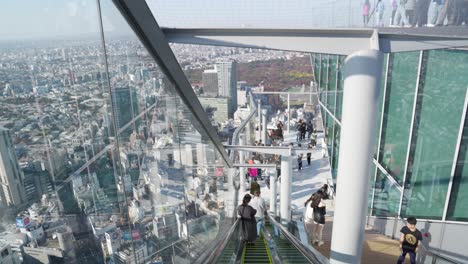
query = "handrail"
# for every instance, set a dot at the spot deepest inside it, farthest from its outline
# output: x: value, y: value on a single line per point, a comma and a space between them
x: 220, y: 247
x: 235, y: 135
x: 438, y: 255
x: 298, y: 245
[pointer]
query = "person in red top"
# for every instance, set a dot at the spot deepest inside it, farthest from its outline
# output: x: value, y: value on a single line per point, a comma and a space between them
x: 409, y: 240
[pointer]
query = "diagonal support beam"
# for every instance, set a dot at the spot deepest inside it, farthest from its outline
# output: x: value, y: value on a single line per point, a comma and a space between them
x: 141, y: 20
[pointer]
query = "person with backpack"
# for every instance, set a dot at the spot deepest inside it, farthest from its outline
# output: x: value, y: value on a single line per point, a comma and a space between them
x: 315, y: 217
x: 248, y: 223
x: 409, y: 240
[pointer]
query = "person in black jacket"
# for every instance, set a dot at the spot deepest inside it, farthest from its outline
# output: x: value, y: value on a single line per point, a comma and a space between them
x: 248, y: 222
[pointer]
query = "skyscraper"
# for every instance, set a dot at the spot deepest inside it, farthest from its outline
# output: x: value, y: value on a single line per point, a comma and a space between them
x: 227, y: 83
x: 125, y: 104
x: 12, y: 191
x: 210, y: 82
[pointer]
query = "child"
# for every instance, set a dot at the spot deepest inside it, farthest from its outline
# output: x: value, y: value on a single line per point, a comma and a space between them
x: 409, y: 240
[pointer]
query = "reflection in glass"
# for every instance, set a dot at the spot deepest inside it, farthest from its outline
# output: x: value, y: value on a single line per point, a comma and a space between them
x: 435, y: 132
x: 398, y: 111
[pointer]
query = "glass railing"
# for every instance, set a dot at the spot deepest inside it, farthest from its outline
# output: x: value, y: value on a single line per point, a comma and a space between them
x: 308, y: 14
x: 101, y: 159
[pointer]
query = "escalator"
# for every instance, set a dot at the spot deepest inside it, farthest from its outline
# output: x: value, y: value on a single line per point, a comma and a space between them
x: 286, y: 251
x: 275, y: 245
x: 256, y: 253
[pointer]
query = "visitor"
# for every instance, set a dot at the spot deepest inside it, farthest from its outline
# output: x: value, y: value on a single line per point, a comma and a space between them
x: 379, y: 10
x: 309, y: 154
x: 299, y: 160
x: 409, y: 240
x: 422, y: 9
x: 410, y: 5
x: 319, y: 216
x: 365, y: 12
x: 248, y: 224
x: 258, y: 203
x: 310, y: 129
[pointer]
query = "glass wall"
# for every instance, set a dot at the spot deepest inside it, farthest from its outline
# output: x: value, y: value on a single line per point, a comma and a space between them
x: 99, y: 156
x: 436, y: 125
x: 428, y: 160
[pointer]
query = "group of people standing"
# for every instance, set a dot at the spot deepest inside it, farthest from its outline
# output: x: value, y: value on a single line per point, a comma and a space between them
x: 302, y: 128
x: 411, y: 13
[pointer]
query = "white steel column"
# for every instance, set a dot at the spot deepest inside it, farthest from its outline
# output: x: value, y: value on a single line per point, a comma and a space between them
x: 241, y: 169
x: 231, y: 199
x: 363, y: 70
x: 285, y: 188
x: 289, y: 112
x: 273, y: 193
x: 264, y: 126
x: 259, y: 112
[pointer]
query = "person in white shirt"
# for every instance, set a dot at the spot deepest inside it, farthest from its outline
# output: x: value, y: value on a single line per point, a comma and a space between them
x: 259, y: 204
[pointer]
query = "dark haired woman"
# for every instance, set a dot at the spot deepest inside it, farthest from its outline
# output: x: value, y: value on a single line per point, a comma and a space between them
x: 248, y: 222
x: 319, y: 216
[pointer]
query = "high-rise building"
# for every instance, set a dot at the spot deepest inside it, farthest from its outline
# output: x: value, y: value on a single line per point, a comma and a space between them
x: 125, y: 104
x: 227, y: 83
x: 11, y: 183
x: 210, y: 82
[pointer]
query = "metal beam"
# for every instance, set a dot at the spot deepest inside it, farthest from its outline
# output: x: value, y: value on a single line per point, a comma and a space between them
x: 141, y: 20
x: 263, y: 166
x: 284, y: 151
x: 329, y: 41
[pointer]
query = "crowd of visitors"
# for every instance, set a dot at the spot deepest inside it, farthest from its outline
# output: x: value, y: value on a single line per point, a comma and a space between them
x: 416, y: 13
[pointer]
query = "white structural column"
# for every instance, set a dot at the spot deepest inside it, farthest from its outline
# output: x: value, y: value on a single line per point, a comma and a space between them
x: 241, y: 169
x: 363, y: 70
x: 273, y: 193
x: 259, y: 113
x: 231, y: 199
x: 285, y: 188
x: 264, y: 126
x: 289, y: 112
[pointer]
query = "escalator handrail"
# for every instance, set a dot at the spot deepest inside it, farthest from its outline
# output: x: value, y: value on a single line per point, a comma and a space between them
x: 219, y: 249
x: 308, y: 254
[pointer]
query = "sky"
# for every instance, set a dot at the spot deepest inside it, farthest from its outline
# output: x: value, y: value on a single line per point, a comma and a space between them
x: 55, y: 18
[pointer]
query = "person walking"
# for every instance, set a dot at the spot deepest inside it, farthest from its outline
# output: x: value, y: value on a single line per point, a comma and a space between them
x: 310, y: 129
x: 401, y: 14
x: 319, y: 207
x: 379, y: 9
x: 422, y: 9
x: 248, y: 224
x: 258, y: 203
x: 435, y: 7
x: 409, y: 240
x: 309, y: 154
x: 394, y: 10
x: 254, y: 186
x: 365, y: 12
x: 298, y: 130
x: 309, y: 219
x: 410, y: 5
x: 299, y: 159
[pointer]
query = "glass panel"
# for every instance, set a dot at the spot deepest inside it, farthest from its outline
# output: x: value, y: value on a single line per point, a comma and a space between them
x: 56, y: 130
x: 371, y: 188
x: 381, y: 103
x: 398, y: 111
x: 386, y: 196
x: 435, y: 133
x: 332, y: 85
x: 458, y: 206
x: 336, y: 151
x: 339, y: 90
x: 305, y: 14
